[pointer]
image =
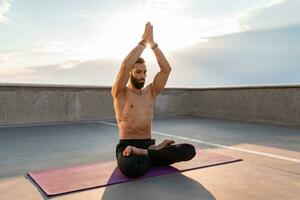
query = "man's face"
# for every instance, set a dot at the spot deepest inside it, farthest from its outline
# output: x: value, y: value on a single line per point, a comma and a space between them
x: 138, y: 75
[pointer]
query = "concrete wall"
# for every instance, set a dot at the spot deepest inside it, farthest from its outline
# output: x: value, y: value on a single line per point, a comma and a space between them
x: 47, y: 104
x: 268, y: 104
x: 28, y: 104
x: 173, y: 102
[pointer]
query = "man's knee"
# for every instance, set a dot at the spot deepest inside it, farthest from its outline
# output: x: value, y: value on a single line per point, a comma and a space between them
x: 189, y: 150
x: 131, y: 167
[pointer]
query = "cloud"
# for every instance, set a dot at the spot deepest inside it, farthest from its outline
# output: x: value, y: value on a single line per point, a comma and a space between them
x: 177, y: 24
x: 47, y: 52
x: 92, y: 72
x: 52, y: 46
x: 8, y: 57
x: 257, y: 57
x: 278, y: 13
x: 4, y: 8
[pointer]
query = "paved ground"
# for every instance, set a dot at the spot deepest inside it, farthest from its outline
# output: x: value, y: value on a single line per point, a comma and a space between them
x: 270, y: 170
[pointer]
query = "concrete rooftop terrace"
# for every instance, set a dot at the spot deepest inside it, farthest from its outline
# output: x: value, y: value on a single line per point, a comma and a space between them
x: 46, y: 127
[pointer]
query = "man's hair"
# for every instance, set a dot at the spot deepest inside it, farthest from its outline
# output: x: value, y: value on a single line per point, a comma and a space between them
x: 140, y: 60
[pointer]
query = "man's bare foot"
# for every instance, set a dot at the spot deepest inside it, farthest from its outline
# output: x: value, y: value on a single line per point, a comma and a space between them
x: 134, y: 151
x: 161, y: 145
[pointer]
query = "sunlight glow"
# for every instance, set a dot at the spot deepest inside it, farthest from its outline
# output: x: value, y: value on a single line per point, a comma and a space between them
x: 124, y: 29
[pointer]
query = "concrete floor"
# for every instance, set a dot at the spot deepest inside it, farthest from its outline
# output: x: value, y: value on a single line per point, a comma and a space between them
x: 270, y: 168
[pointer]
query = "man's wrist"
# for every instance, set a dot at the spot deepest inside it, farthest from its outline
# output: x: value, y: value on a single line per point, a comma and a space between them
x: 153, y: 45
x: 143, y: 43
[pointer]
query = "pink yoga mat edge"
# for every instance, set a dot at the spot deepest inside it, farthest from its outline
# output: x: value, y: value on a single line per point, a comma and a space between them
x: 52, y: 194
x: 49, y: 193
x: 35, y: 176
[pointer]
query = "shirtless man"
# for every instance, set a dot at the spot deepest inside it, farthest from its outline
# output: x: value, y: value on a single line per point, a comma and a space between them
x: 134, y: 105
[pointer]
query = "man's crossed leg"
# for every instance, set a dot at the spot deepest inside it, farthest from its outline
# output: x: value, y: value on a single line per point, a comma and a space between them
x: 136, y: 158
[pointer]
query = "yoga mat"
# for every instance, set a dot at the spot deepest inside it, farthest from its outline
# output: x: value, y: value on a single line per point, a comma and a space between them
x: 80, y: 177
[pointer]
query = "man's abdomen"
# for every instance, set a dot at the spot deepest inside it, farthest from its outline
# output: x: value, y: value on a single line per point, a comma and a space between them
x: 135, y: 129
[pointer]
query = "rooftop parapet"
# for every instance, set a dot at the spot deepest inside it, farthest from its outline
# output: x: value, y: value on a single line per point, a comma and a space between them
x: 39, y: 104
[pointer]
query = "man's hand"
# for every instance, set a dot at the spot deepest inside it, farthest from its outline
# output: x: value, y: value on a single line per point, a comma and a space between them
x: 150, y: 38
x: 146, y: 32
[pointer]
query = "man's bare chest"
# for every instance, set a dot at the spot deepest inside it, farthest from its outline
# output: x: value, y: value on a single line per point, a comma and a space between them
x: 137, y: 103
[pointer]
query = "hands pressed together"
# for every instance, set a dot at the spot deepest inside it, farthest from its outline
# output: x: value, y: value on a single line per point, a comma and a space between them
x: 148, y: 35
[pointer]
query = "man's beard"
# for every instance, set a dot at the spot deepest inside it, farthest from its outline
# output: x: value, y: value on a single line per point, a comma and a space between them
x: 136, y: 82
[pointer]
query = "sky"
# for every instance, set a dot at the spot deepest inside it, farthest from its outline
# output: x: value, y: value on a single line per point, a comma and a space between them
x: 207, y: 42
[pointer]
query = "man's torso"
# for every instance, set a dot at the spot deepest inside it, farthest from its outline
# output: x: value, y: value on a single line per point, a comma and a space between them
x: 134, y: 113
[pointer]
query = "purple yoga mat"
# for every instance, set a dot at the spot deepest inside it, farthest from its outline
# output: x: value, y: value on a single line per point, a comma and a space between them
x: 80, y: 177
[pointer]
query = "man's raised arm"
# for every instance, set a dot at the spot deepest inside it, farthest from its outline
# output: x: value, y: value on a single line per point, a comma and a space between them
x: 123, y: 74
x: 161, y: 77
x: 131, y: 58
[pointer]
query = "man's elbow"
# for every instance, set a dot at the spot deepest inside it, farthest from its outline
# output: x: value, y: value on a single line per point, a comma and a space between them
x: 167, y: 70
